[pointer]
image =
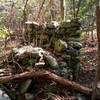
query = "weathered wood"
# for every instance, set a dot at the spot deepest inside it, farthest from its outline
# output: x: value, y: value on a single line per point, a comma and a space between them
x: 49, y: 75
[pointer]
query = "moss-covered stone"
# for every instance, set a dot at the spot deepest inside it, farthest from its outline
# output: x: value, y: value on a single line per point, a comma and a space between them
x: 52, y: 62
x: 63, y: 38
x: 76, y: 45
x: 60, y: 45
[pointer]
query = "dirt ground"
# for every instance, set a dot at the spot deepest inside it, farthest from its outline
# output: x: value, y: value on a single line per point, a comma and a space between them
x: 88, y: 64
x: 88, y: 61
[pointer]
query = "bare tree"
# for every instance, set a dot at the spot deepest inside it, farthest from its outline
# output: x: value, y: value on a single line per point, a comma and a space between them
x: 97, y: 77
x: 52, y: 10
x: 41, y: 19
x: 74, y: 12
x: 62, y: 6
x: 24, y: 20
x: 79, y: 4
x: 38, y: 16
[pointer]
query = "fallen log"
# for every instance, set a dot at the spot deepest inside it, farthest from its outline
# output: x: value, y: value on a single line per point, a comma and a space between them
x: 49, y: 75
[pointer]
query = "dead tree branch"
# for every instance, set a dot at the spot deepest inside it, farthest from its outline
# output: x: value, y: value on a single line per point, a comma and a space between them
x: 48, y: 75
x: 38, y: 16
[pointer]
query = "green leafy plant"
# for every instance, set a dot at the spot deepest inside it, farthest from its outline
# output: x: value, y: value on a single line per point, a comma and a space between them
x: 4, y: 31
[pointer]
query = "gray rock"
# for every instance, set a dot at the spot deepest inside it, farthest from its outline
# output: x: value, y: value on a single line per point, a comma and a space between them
x: 29, y: 96
x: 24, y: 86
x: 63, y: 65
x: 55, y: 23
x: 52, y: 61
x: 64, y: 72
x: 29, y: 50
x: 50, y: 26
x: 40, y: 64
x: 65, y: 25
x: 60, y: 45
x: 4, y: 97
x: 65, y: 56
x: 81, y: 97
x: 76, y: 45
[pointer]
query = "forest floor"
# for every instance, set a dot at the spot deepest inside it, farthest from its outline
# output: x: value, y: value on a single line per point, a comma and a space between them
x: 86, y: 77
x: 88, y: 65
x: 88, y: 61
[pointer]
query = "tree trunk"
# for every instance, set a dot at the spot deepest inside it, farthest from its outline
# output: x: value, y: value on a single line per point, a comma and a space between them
x: 24, y: 20
x: 38, y: 16
x: 41, y: 19
x: 97, y: 77
x: 52, y: 10
x: 62, y: 6
x: 78, y: 9
x: 74, y: 12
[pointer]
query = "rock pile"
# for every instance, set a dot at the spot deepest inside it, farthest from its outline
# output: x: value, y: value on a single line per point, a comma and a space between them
x: 63, y: 39
x: 33, y: 56
x: 56, y: 48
